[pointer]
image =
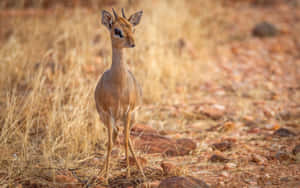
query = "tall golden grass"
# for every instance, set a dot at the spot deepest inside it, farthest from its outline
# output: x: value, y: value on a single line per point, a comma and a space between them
x: 49, y: 66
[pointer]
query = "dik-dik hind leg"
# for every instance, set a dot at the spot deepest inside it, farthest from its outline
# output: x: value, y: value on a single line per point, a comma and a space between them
x: 129, y: 143
x: 126, y: 137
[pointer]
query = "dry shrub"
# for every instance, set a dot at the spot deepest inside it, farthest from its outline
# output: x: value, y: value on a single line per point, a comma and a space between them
x: 50, y: 65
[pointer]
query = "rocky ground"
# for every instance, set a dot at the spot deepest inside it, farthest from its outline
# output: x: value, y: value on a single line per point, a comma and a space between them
x: 243, y: 124
x: 239, y: 128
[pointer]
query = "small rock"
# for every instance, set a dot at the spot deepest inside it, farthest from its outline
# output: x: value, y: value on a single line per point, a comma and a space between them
x: 185, y: 146
x: 212, y: 112
x: 153, y: 184
x: 264, y: 29
x: 272, y: 126
x: 258, y: 159
x: 254, y: 130
x: 285, y: 179
x: 224, y: 174
x: 182, y: 147
x: 229, y: 126
x: 282, y: 156
x: 230, y: 165
x: 218, y: 158
x: 249, y: 121
x: 219, y: 107
x: 167, y: 167
x: 182, y: 182
x: 143, y: 129
x: 289, y: 114
x: 222, y: 146
x: 283, y: 132
x: 167, y: 132
x: 155, y: 143
x: 296, y: 150
x: 132, y: 162
x: 69, y: 181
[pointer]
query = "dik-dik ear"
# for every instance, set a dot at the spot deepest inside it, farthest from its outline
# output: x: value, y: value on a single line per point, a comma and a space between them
x: 135, y: 18
x: 107, y: 19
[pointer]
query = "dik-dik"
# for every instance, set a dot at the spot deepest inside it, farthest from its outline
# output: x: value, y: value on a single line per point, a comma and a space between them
x: 118, y: 94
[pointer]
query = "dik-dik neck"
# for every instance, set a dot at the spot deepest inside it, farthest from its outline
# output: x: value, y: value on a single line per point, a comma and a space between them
x: 118, y: 66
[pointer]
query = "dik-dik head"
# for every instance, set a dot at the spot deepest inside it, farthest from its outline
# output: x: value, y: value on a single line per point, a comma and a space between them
x: 121, y: 29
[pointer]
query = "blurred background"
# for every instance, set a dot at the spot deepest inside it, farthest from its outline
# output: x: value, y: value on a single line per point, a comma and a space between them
x: 200, y: 63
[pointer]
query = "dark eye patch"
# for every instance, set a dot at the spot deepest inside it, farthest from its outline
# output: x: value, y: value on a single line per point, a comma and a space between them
x: 118, y: 32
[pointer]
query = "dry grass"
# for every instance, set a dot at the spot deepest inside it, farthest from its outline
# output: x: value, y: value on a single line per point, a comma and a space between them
x: 204, y: 76
x: 50, y: 65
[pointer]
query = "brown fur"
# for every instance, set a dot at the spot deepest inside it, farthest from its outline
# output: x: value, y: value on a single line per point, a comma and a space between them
x: 118, y: 94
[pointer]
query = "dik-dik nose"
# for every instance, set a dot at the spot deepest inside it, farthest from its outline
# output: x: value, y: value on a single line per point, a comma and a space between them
x: 131, y: 42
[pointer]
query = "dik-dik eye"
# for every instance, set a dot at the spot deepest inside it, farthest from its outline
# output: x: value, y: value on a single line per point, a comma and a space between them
x: 118, y: 33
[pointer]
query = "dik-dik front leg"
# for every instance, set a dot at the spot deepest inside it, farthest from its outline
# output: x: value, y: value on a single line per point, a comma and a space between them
x: 109, y: 147
x: 127, y: 141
